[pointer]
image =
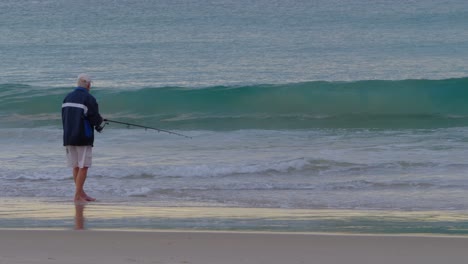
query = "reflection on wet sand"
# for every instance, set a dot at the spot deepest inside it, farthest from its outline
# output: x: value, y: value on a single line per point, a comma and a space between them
x: 31, y: 213
x: 79, y: 216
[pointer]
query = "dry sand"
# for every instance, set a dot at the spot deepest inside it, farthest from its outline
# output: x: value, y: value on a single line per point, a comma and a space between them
x: 102, y: 247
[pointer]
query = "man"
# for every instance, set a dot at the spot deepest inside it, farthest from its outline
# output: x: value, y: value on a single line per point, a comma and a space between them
x: 80, y: 116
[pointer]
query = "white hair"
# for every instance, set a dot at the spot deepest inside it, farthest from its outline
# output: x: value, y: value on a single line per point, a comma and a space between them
x: 83, y: 80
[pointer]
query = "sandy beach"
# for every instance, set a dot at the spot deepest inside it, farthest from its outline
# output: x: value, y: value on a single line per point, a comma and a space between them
x: 46, y: 232
x: 81, y: 247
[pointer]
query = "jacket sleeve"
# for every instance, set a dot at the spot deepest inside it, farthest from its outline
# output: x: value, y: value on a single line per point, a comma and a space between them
x: 94, y: 116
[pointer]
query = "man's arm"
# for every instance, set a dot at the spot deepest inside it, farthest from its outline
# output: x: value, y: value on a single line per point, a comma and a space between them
x: 94, y: 117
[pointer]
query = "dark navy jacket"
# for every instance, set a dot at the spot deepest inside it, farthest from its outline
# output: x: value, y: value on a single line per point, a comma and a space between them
x: 80, y: 115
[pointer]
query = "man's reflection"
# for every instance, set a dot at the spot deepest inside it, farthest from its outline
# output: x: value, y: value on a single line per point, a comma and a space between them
x: 79, y: 216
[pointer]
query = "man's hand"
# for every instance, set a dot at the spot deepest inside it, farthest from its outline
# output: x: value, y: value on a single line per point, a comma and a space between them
x: 101, y: 126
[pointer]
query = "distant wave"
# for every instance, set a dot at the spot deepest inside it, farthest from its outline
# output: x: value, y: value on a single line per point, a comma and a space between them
x: 319, y: 104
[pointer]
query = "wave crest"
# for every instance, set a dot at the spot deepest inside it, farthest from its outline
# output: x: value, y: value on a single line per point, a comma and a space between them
x: 359, y: 104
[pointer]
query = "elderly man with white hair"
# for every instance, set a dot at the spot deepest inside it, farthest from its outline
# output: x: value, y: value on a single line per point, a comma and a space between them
x: 80, y: 116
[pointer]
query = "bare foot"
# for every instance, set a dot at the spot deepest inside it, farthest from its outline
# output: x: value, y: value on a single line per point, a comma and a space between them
x: 80, y: 200
x: 87, y: 197
x: 90, y: 199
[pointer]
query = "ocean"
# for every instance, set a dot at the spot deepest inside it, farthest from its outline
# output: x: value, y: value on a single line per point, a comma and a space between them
x: 319, y: 107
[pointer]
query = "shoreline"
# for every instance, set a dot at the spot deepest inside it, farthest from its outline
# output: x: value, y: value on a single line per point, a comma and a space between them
x: 31, y: 214
x: 240, y: 232
x: 51, y: 232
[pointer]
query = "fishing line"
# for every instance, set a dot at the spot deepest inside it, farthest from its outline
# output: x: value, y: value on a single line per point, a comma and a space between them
x: 107, y: 121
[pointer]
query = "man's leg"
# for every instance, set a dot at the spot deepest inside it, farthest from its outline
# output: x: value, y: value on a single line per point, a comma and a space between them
x: 75, y: 173
x: 83, y: 195
x: 79, y: 184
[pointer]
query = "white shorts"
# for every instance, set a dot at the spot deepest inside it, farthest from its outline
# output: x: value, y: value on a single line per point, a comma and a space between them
x: 79, y: 156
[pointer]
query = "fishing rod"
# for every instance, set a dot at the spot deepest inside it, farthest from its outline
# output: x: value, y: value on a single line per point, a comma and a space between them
x: 145, y: 127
